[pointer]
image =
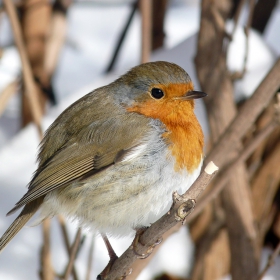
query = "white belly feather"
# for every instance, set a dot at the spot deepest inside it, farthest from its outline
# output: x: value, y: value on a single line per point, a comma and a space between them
x: 131, y: 194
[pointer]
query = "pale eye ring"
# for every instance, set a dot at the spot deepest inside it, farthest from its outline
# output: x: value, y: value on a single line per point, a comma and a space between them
x: 157, y: 93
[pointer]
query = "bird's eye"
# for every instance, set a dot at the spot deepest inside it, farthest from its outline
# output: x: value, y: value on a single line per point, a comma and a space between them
x: 157, y: 93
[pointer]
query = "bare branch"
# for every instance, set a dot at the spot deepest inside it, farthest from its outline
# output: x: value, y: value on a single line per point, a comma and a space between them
x: 73, y: 254
x: 67, y: 243
x: 90, y: 259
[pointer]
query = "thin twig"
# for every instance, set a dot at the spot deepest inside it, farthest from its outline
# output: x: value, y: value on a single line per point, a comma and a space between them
x: 237, y: 15
x: 67, y: 242
x: 6, y: 94
x: 247, y: 31
x: 219, y: 21
x: 251, y: 13
x: 47, y: 272
x: 73, y: 254
x: 146, y: 12
x: 55, y: 42
x: 270, y: 261
x: 31, y: 92
x: 90, y: 258
x: 240, y: 74
x: 122, y: 37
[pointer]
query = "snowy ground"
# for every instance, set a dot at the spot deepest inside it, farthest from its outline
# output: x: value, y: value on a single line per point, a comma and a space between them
x: 92, y: 34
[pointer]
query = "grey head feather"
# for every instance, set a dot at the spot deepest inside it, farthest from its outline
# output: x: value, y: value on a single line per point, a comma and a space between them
x: 139, y: 80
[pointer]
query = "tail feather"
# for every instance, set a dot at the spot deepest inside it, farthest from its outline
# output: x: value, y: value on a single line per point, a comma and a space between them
x: 27, y: 212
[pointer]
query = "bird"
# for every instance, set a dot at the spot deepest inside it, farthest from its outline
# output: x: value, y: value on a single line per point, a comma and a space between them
x: 113, y: 158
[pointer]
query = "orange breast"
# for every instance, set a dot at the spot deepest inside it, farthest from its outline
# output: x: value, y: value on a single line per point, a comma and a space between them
x: 184, y: 134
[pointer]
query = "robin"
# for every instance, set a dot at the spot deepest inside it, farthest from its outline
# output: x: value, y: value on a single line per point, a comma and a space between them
x: 113, y: 158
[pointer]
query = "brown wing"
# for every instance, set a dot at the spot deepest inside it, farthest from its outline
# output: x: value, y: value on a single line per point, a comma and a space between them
x: 97, y: 145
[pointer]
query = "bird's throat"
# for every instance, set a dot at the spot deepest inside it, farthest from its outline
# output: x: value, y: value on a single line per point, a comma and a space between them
x: 183, y: 134
x: 186, y: 145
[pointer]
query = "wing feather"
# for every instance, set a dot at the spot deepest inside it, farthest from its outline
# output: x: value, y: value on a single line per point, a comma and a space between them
x: 80, y: 153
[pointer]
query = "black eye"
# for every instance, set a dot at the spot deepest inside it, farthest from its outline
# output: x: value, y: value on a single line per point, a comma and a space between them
x: 157, y: 93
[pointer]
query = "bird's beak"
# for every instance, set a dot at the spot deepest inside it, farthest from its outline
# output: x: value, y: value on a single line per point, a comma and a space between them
x: 193, y: 94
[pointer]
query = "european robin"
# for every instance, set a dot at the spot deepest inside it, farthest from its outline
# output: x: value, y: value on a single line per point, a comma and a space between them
x: 113, y: 158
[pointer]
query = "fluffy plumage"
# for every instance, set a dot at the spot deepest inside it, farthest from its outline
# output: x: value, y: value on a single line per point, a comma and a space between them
x: 114, y: 157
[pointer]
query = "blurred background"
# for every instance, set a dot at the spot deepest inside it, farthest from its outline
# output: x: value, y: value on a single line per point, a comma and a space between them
x: 54, y: 52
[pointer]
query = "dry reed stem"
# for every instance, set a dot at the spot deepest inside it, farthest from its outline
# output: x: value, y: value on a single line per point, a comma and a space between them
x: 67, y: 244
x: 90, y: 259
x: 55, y: 42
x: 47, y: 272
x: 74, y: 250
x: 264, y: 188
x: 6, y: 94
x: 28, y: 80
x: 237, y: 15
x: 146, y: 12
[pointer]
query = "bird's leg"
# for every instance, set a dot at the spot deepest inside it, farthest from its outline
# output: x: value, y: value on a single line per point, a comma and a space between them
x: 112, y: 255
x: 136, y: 241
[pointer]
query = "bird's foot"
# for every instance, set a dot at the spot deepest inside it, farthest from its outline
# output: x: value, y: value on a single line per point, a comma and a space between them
x: 136, y: 241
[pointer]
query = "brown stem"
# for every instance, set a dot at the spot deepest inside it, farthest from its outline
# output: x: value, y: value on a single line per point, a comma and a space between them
x: 146, y: 11
x: 90, y: 259
x: 67, y: 242
x: 47, y: 272
x: 26, y: 68
x: 73, y: 254
x: 6, y: 94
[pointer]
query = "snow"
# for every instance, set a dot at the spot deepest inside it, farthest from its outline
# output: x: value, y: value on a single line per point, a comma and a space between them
x: 91, y: 38
x: 260, y: 60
